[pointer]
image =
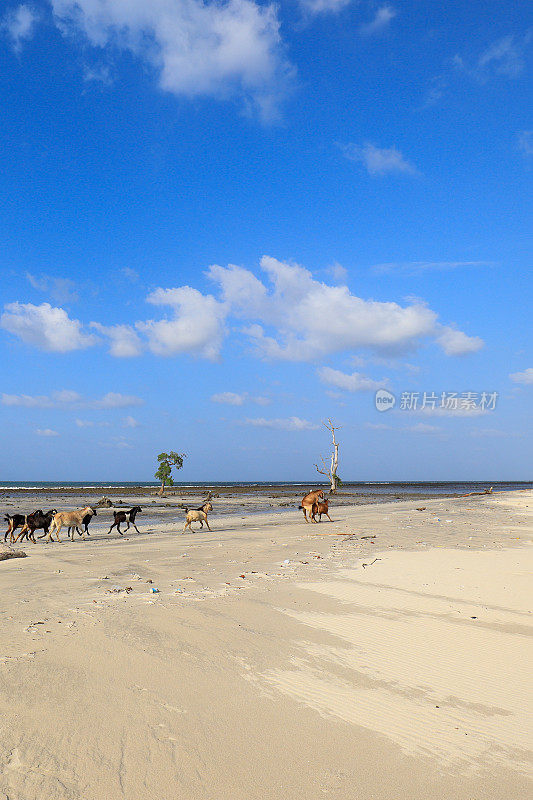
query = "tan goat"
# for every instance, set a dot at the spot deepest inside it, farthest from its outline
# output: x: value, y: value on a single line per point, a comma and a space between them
x: 68, y: 518
x: 198, y: 515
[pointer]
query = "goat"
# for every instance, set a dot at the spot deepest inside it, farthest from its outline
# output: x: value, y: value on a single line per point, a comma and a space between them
x: 84, y: 524
x: 320, y: 508
x: 35, y: 521
x: 308, y: 501
x: 198, y: 515
x: 14, y: 521
x: 68, y: 518
x: 125, y: 516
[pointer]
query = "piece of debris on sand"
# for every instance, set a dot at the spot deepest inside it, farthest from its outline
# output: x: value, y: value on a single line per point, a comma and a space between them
x: 8, y: 552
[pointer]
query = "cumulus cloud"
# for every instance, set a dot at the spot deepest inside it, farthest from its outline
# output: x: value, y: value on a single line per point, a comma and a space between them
x: 525, y: 377
x: 195, y: 48
x: 309, y: 319
x: 381, y: 21
x: 45, y: 327
x: 196, y: 325
x: 70, y: 399
x: 350, y: 383
x: 457, y: 343
x: 46, y: 432
x: 287, y: 315
x: 378, y: 160
x: 125, y: 342
x: 19, y: 24
x: 282, y: 424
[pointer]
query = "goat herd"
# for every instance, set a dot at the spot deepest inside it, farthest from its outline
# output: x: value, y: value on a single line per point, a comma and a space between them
x: 52, y: 522
x: 78, y: 521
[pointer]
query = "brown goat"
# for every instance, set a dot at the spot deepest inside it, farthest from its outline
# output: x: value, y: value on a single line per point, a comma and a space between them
x: 320, y: 508
x: 308, y: 501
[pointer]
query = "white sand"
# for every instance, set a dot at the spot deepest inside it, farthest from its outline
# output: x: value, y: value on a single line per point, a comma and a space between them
x: 308, y: 679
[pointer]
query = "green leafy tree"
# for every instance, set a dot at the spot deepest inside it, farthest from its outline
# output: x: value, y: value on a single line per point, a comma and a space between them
x: 168, y: 461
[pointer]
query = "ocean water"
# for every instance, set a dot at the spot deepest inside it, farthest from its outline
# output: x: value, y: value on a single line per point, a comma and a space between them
x: 363, y: 488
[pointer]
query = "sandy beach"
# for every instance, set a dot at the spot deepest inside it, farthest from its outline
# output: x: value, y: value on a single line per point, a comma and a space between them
x: 384, y: 656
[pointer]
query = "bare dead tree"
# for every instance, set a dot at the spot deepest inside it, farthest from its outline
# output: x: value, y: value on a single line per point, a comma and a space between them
x: 331, y: 470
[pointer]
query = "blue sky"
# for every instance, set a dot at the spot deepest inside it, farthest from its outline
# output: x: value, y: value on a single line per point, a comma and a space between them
x: 224, y: 223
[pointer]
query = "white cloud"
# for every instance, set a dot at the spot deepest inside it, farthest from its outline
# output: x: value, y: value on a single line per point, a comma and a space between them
x: 504, y: 57
x: 62, y: 290
x: 323, y: 6
x: 196, y: 48
x: 229, y: 398
x: 525, y: 377
x: 234, y: 399
x: 457, y: 343
x: 116, y: 400
x: 350, y: 383
x: 291, y: 316
x: 381, y: 21
x: 19, y: 24
x: 70, y: 399
x: 338, y: 272
x: 378, y: 160
x: 309, y: 319
x: 286, y: 424
x: 46, y: 432
x: 423, y: 427
x: 117, y: 443
x: 196, y: 327
x: 130, y: 422
x: 45, y: 327
x: 125, y: 342
x: 460, y: 411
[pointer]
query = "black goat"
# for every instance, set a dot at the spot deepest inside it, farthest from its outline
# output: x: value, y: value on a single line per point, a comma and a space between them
x: 125, y: 516
x: 14, y: 521
x: 34, y: 522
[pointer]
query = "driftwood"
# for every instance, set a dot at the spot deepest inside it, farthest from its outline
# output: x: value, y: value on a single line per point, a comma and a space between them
x: 8, y: 552
x: 470, y: 494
